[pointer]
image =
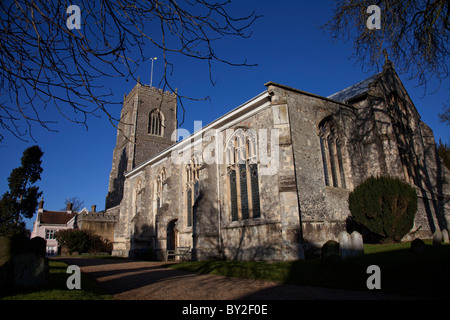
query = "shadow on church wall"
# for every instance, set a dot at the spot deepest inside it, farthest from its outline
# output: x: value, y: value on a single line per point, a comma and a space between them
x: 115, y: 196
x: 389, y: 115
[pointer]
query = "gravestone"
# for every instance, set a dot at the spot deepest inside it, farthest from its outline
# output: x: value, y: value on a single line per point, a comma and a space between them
x: 329, y: 254
x: 345, y: 244
x: 22, y: 263
x: 357, y: 244
x: 65, y: 251
x: 38, y: 245
x: 6, y: 266
x: 445, y: 237
x: 417, y: 245
x: 30, y: 270
x: 437, y: 238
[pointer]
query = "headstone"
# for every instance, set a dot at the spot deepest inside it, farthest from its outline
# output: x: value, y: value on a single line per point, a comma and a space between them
x: 38, y: 245
x: 417, y: 245
x: 65, y: 251
x: 357, y: 244
x: 329, y: 254
x: 445, y: 237
x: 437, y: 238
x: 30, y: 270
x: 5, y: 250
x: 6, y: 265
x: 22, y: 263
x: 345, y: 244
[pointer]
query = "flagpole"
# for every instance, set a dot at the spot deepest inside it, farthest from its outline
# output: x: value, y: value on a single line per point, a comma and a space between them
x: 151, y: 76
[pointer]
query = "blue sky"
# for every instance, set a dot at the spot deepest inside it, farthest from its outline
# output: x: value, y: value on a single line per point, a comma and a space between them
x: 288, y: 47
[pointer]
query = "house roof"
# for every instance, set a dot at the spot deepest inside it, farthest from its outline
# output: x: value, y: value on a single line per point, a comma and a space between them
x: 56, y: 217
x: 354, y: 91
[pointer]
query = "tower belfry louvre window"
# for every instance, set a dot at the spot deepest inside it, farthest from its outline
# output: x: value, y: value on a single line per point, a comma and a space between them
x: 242, y: 171
x: 155, y: 123
x: 331, y: 150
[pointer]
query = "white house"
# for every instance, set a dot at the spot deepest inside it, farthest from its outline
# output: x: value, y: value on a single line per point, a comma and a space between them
x: 48, y: 222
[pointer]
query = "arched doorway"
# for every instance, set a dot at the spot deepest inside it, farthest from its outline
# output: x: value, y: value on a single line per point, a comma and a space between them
x: 172, y: 235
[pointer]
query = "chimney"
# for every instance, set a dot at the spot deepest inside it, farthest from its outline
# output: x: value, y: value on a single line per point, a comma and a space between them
x: 41, y: 204
x: 93, y: 208
x: 69, y: 207
x: 40, y: 209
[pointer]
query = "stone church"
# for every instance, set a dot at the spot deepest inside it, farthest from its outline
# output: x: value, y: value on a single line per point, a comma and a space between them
x: 270, y: 179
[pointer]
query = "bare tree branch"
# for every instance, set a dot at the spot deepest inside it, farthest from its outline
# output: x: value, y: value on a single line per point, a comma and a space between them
x: 43, y: 64
x: 415, y: 34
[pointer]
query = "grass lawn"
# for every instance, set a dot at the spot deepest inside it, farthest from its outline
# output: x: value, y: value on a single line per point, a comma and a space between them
x: 56, y: 288
x: 425, y: 274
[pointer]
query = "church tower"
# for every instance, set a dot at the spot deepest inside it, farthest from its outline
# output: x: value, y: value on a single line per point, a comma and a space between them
x: 148, y: 119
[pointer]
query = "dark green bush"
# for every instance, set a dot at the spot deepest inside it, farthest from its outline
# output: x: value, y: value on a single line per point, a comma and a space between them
x: 82, y: 241
x: 385, y: 207
x: 99, y: 244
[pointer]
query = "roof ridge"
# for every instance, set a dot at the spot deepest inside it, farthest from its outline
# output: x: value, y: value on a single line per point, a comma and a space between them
x: 355, y: 89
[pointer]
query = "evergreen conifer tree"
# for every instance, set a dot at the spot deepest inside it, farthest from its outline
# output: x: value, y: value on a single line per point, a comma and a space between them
x: 22, y: 198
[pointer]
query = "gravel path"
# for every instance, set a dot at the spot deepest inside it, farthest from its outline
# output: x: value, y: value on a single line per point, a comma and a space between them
x: 142, y: 280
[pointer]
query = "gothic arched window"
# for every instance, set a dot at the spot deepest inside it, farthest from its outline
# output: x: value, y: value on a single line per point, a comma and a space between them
x: 155, y: 123
x: 331, y: 149
x: 192, y: 187
x: 242, y: 171
x: 159, y: 188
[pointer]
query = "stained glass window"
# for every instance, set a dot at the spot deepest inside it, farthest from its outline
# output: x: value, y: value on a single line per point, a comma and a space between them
x: 233, y: 195
x: 189, y: 208
x: 324, y: 161
x: 332, y: 161
x: 243, y: 175
x: 341, y: 165
x: 192, y: 178
x: 332, y: 157
x: 255, y: 190
x: 244, y: 194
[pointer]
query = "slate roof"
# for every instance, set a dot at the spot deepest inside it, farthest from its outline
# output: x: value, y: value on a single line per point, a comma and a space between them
x: 354, y: 90
x: 56, y: 217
